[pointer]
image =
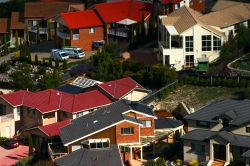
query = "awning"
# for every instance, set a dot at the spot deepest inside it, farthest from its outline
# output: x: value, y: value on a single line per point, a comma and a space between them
x: 171, y: 30
x: 126, y: 21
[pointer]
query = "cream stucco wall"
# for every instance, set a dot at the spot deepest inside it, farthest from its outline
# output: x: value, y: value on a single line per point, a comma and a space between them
x: 241, y: 130
x: 7, y: 127
x: 135, y: 95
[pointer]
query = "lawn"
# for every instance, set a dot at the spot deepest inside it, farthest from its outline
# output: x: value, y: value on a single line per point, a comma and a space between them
x: 198, y: 96
x: 243, y: 64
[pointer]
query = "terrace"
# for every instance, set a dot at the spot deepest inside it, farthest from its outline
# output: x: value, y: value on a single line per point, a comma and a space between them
x: 56, y: 150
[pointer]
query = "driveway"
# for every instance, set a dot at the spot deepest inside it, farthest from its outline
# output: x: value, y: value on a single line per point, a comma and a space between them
x: 12, y: 156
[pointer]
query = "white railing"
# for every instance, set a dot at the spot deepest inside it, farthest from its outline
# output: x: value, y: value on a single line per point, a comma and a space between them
x: 54, y: 155
x: 118, y: 32
x: 63, y: 34
x: 41, y: 30
x: 7, y: 117
x: 75, y: 36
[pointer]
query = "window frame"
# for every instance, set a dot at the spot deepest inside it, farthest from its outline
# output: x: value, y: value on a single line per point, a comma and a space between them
x: 189, y: 44
x: 99, y: 144
x: 216, y: 43
x: 206, y: 43
x: 131, y: 131
x: 145, y: 126
x: 91, y: 30
x: 248, y: 129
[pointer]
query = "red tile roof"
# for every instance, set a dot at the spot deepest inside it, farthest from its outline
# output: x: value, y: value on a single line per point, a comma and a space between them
x: 116, y: 11
x: 81, y: 19
x: 171, y: 1
x: 53, y: 129
x: 4, y: 25
x: 52, y: 100
x: 119, y: 88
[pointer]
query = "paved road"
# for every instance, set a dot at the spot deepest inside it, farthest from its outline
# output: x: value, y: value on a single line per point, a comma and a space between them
x: 11, y: 156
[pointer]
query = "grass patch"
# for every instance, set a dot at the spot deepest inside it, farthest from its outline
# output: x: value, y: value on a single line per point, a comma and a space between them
x: 243, y: 64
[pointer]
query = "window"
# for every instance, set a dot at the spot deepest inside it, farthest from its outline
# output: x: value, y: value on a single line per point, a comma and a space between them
x: 91, y: 30
x: 99, y: 143
x: 3, y: 109
x: 79, y: 114
x: 129, y: 130
x: 49, y: 115
x: 247, y: 129
x: 189, y: 43
x: 189, y: 61
x: 125, y: 149
x: 198, y: 149
x: 202, y: 124
x: 177, y: 6
x: 147, y: 123
x: 206, y: 42
x: 65, y: 114
x: 236, y: 28
x: 217, y: 43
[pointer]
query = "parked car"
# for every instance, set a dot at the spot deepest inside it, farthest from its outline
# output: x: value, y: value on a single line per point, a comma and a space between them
x: 57, y: 54
x: 12, y: 143
x: 74, y: 52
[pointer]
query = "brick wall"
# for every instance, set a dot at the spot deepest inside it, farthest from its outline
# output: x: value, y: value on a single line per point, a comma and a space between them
x: 147, y: 131
x: 127, y: 138
x: 198, y: 5
x: 86, y: 39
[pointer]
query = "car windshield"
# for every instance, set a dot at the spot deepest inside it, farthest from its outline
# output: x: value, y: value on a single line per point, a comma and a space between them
x: 63, y: 54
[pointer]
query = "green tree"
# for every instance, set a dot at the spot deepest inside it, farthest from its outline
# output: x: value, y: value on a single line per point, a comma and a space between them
x: 57, y: 64
x: 63, y: 42
x: 243, y: 37
x: 65, y: 65
x: 160, y: 162
x: 16, y: 41
x: 5, y: 49
x: 151, y: 163
x: 50, y: 62
x: 25, y: 52
x: 50, y: 80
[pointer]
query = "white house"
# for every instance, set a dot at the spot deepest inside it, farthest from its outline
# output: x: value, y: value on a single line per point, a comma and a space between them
x: 184, y: 39
x: 228, y: 16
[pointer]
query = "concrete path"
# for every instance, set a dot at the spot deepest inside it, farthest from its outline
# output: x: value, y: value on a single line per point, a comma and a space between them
x: 10, y: 157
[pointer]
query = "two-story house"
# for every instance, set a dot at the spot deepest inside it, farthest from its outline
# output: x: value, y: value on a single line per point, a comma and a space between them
x: 218, y: 133
x: 227, y: 16
x: 128, y: 124
x: 39, y: 17
x: 184, y: 39
x: 80, y: 29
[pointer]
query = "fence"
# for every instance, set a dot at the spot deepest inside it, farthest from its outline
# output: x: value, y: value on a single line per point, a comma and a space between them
x: 152, y: 96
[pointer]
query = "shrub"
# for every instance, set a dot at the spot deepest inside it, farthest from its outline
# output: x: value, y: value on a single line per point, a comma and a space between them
x: 50, y: 62
x: 56, y: 64
x: 36, y: 60
x: 3, y: 140
x: 160, y: 162
x: 150, y: 163
x: 65, y: 66
x: 194, y: 163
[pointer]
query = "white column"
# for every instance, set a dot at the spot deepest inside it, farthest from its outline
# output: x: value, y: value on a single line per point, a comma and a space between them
x: 163, y: 59
x: 56, y: 115
x: 141, y: 154
x: 228, y: 153
x: 211, y: 151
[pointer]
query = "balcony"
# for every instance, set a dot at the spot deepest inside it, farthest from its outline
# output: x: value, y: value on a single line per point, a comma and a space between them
x: 42, y: 30
x: 56, y: 150
x: 120, y: 32
x: 5, y: 118
x: 63, y: 34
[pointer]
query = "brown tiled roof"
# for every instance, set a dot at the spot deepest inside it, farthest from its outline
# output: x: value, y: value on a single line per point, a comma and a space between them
x: 45, y: 10
x: 185, y: 18
x: 17, y: 21
x: 223, y: 4
x: 4, y: 25
x: 228, y: 16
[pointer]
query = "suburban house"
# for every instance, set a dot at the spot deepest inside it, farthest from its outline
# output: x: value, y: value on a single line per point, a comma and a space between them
x: 228, y: 16
x: 164, y: 7
x: 80, y: 29
x: 17, y: 28
x: 31, y: 109
x: 122, y: 17
x: 219, y: 133
x: 39, y: 18
x: 185, y: 41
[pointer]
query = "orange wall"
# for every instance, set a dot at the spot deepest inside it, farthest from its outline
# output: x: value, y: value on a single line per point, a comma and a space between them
x: 86, y: 39
x: 127, y: 138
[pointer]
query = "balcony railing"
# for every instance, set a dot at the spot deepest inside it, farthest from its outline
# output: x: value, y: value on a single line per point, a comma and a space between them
x: 63, y: 35
x: 56, y: 150
x: 8, y: 117
x: 41, y: 29
x: 121, y: 32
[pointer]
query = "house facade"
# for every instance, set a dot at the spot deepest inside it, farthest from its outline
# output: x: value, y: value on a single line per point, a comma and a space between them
x: 184, y: 40
x: 80, y: 29
x: 218, y: 133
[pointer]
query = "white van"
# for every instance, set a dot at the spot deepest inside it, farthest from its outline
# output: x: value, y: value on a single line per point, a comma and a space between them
x: 74, y: 52
x: 57, y: 54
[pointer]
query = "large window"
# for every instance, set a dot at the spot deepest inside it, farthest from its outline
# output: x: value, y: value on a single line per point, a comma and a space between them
x: 129, y: 130
x: 248, y: 129
x: 202, y: 124
x: 3, y: 109
x: 198, y: 149
x: 189, y: 43
x: 217, y: 43
x: 91, y: 30
x: 236, y: 28
x: 99, y: 143
x: 206, y: 42
x: 147, y: 123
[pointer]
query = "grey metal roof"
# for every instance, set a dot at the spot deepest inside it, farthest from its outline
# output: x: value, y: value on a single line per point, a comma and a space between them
x: 246, y: 154
x: 167, y: 123
x: 88, y: 157
x: 101, y: 118
x: 238, y: 112
x: 205, y: 135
